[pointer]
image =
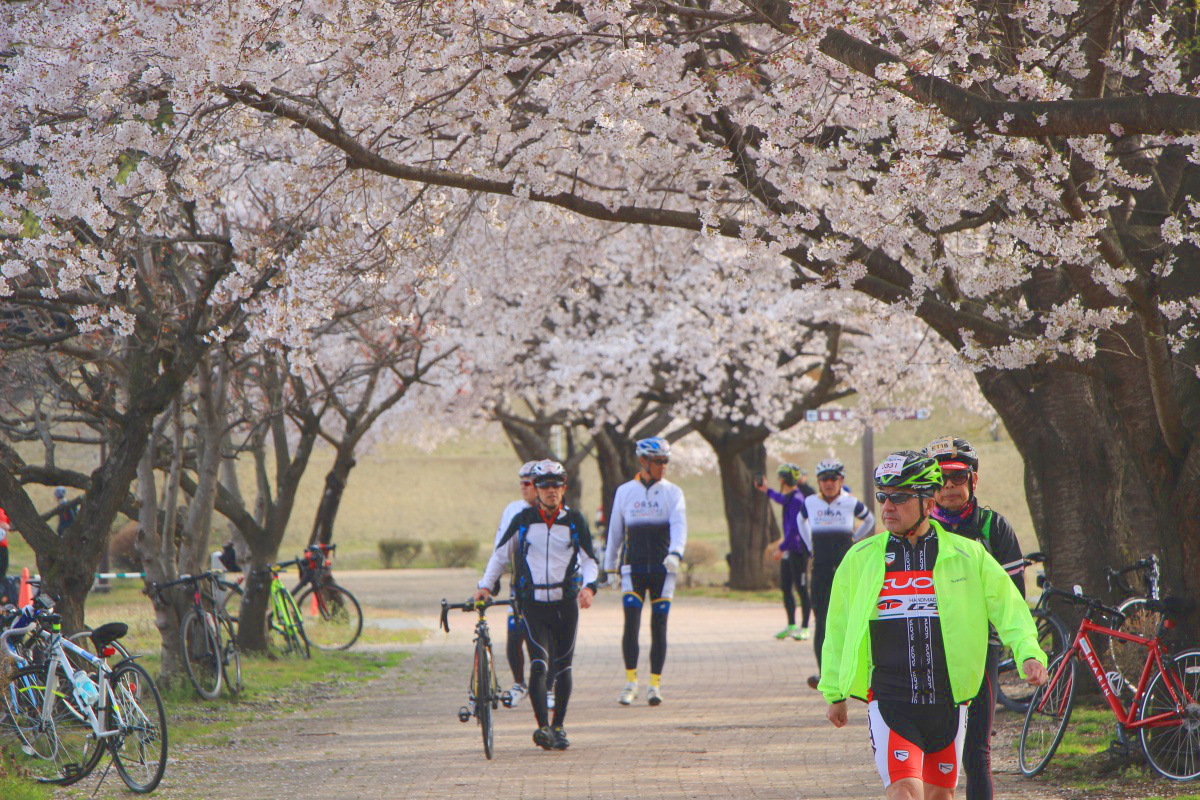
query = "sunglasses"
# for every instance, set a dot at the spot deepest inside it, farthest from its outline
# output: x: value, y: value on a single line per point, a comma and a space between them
x: 551, y: 484
x: 957, y: 476
x: 897, y: 498
x: 527, y: 483
x: 659, y: 460
x: 828, y: 476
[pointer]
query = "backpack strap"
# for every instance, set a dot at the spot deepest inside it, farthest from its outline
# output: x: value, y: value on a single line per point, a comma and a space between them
x: 985, y: 531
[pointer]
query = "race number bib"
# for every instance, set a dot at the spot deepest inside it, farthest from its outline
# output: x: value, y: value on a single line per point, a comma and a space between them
x: 942, y: 447
x: 891, y: 466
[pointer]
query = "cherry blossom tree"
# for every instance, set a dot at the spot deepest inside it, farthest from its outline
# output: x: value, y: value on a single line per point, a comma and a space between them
x: 1019, y: 177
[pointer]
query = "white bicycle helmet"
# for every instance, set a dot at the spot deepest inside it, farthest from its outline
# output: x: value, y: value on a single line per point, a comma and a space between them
x: 831, y: 465
x: 549, y: 473
x: 655, y: 446
x: 526, y: 470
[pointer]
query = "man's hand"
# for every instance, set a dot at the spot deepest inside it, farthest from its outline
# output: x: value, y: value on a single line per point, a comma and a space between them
x: 760, y: 485
x: 585, y: 597
x: 836, y: 713
x: 1035, y: 673
x: 671, y: 562
x: 613, y: 581
x: 481, y: 594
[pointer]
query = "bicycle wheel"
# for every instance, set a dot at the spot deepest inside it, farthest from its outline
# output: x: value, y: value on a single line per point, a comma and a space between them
x: 1046, y: 720
x: 483, y: 694
x: 202, y: 654
x: 231, y: 658
x: 1126, y: 659
x: 332, y: 617
x: 1173, y: 750
x: 64, y: 745
x: 1011, y: 689
x: 293, y: 625
x: 140, y: 750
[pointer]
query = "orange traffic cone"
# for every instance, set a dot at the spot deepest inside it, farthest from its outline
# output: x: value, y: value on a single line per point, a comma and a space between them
x: 25, y: 595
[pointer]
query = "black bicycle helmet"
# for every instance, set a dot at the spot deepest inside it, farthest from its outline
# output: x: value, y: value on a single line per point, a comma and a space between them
x: 953, y: 452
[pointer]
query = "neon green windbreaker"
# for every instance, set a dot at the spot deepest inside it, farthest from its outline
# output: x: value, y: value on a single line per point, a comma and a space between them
x: 971, y: 588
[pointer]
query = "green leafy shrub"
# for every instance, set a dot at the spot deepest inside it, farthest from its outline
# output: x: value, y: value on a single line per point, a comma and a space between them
x: 399, y: 552
x: 454, y: 552
x: 695, y: 555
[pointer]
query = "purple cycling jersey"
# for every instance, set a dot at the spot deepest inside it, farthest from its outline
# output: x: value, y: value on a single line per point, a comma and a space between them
x: 792, y: 542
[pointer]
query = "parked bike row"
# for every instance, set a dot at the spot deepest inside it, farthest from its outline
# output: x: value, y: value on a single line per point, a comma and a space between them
x: 66, y: 701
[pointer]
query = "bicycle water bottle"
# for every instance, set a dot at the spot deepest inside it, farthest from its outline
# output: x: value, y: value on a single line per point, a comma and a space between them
x: 86, y: 691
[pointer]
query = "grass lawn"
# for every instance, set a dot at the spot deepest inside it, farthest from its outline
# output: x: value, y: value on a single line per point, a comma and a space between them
x: 1081, y: 770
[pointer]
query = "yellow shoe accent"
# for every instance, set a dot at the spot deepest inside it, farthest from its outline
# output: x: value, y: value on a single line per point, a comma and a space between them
x: 631, y: 676
x: 654, y: 680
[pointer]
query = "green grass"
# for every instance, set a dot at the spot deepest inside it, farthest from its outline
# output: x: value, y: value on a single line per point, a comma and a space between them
x: 13, y: 788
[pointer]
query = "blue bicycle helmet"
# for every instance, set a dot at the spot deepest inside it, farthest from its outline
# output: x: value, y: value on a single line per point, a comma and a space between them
x: 655, y: 446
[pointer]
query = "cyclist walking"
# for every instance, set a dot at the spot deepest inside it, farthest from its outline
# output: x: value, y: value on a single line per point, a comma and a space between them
x: 830, y: 522
x: 791, y: 552
x: 958, y: 511
x: 515, y: 646
x: 646, y: 536
x: 554, y: 575
x: 896, y: 601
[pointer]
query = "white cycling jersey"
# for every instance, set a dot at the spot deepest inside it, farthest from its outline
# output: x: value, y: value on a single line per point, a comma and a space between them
x: 548, y: 553
x: 841, y: 517
x: 647, y: 524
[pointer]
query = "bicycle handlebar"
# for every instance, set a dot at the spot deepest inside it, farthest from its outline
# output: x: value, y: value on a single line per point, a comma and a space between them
x: 182, y: 579
x: 1117, y: 576
x: 1092, y: 603
x: 470, y: 605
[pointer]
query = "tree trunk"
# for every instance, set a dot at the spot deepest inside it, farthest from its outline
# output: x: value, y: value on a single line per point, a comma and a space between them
x: 747, y: 513
x: 617, y: 460
x: 168, y: 606
x: 331, y: 499
x: 1097, y: 498
x: 210, y: 430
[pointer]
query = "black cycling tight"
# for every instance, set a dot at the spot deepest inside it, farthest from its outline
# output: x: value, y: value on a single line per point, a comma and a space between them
x: 793, y: 577
x: 550, y: 631
x: 515, y: 648
x: 641, y: 585
x: 828, y: 551
x: 977, y: 747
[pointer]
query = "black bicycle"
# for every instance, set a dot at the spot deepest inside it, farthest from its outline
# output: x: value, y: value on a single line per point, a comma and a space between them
x: 333, y: 619
x: 1141, y: 617
x: 208, y: 636
x: 1012, y: 691
x: 483, y: 693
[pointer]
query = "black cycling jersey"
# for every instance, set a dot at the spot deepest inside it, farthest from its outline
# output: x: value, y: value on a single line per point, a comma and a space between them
x: 906, y: 634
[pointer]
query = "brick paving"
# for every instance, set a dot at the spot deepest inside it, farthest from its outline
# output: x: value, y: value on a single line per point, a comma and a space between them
x: 738, y: 721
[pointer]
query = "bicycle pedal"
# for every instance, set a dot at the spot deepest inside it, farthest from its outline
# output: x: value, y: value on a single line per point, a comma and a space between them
x: 464, y: 714
x: 506, y: 699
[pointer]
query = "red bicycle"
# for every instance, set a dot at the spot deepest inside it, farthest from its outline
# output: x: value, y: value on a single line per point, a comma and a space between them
x: 1164, y: 711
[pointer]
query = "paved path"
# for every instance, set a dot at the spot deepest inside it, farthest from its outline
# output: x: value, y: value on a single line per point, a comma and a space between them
x: 738, y: 721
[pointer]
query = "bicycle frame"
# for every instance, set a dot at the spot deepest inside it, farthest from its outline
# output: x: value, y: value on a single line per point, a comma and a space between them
x: 279, y: 604
x: 60, y: 665
x: 1083, y: 647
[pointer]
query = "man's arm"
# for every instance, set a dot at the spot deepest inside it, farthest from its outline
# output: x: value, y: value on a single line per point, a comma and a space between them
x: 500, y: 555
x: 868, y: 521
x: 1007, y: 551
x: 777, y: 497
x: 835, y: 634
x: 616, y: 533
x: 803, y: 526
x: 588, y: 568
x: 678, y: 526
x: 1009, y: 613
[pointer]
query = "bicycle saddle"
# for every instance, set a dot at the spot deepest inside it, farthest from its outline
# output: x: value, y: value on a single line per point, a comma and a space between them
x: 108, y: 633
x: 1171, y: 606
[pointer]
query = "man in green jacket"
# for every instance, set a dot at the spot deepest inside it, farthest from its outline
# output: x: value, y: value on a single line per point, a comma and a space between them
x: 896, y: 599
